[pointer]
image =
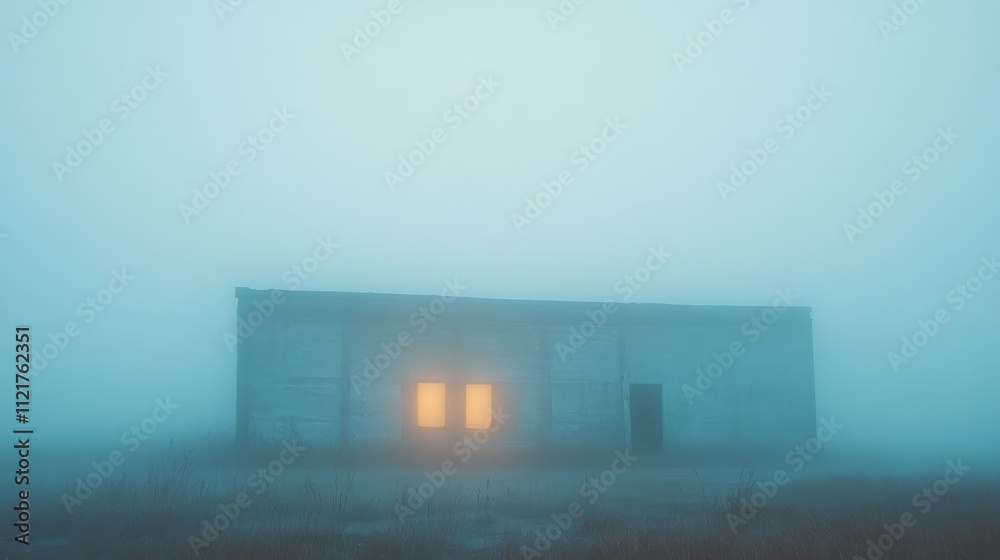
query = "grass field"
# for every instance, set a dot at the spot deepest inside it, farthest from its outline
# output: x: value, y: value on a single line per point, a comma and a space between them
x: 644, y: 511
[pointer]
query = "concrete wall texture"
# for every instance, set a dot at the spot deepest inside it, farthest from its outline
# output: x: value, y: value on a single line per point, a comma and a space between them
x: 340, y: 370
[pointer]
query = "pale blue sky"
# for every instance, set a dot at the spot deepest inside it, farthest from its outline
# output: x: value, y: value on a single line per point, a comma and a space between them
x: 656, y: 184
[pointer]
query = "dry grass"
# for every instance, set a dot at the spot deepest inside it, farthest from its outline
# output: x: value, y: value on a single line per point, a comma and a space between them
x: 327, y: 514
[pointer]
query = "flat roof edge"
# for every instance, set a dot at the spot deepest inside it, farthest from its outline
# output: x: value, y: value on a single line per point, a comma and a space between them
x: 243, y: 291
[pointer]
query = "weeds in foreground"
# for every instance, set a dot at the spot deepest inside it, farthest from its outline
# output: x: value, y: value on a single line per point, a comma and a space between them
x: 326, y: 515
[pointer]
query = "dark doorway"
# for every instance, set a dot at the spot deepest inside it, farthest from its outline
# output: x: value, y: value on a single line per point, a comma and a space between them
x: 647, y: 417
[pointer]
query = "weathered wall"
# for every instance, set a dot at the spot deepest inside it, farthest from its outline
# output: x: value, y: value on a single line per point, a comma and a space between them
x: 671, y: 356
x: 290, y: 382
x: 509, y: 357
x: 587, y: 389
x: 351, y: 380
x: 381, y: 370
x: 762, y: 397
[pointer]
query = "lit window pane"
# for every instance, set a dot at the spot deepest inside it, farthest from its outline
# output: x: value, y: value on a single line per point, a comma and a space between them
x: 430, y: 405
x: 478, y: 406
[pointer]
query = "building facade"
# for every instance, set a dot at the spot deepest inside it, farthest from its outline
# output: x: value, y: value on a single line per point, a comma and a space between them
x: 362, y: 370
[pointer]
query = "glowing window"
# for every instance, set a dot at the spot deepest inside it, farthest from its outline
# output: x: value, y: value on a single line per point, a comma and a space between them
x: 430, y: 405
x: 478, y: 406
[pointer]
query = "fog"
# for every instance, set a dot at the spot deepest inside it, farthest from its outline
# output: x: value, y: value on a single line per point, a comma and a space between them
x: 341, y: 118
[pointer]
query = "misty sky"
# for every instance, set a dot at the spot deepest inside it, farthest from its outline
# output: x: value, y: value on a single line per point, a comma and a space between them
x: 208, y: 81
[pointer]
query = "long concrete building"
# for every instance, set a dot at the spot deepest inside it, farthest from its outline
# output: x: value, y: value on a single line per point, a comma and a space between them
x: 363, y: 370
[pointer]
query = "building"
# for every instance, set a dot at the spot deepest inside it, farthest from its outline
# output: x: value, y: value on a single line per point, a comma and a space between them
x: 363, y: 370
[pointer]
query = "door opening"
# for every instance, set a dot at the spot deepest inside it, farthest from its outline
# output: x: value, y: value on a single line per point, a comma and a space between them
x: 647, y: 417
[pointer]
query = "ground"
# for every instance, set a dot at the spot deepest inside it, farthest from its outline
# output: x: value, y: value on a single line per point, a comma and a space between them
x: 647, y: 510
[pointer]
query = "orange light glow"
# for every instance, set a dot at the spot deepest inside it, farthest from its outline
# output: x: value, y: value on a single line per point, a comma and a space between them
x: 478, y: 406
x: 430, y: 405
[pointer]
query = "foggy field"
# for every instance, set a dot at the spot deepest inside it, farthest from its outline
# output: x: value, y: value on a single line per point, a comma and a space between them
x: 646, y: 511
x: 531, y: 280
